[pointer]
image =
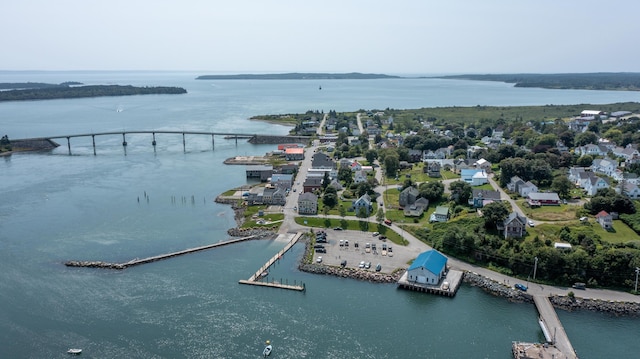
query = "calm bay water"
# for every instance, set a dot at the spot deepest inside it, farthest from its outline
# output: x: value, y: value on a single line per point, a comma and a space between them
x: 55, y: 207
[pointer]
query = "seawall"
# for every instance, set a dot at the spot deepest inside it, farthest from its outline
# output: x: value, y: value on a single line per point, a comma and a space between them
x: 270, y: 140
x: 33, y: 144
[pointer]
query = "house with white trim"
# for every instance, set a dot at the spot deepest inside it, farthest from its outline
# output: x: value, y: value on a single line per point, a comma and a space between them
x: 429, y: 267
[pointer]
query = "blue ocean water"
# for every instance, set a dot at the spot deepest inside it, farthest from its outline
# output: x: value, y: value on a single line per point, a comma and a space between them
x: 116, y: 207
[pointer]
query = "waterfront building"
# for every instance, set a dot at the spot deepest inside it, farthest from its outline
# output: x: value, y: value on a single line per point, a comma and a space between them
x: 428, y: 268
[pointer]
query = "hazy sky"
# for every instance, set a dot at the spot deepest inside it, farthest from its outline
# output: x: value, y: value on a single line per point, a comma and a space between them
x: 398, y: 37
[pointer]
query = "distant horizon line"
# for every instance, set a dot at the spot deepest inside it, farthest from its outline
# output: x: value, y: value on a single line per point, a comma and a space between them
x: 403, y: 74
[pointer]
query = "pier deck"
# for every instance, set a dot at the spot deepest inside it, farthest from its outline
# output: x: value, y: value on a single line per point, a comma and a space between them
x: 453, y: 280
x: 255, y: 278
x: 552, y: 328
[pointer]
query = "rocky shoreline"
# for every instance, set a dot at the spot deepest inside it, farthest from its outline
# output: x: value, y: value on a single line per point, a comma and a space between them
x: 559, y: 302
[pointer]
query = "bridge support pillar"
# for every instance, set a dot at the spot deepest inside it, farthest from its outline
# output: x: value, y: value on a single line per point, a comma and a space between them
x: 236, y: 140
x: 153, y: 142
x: 124, y: 143
x: 213, y: 143
x: 93, y: 140
x: 184, y: 144
x: 69, y: 145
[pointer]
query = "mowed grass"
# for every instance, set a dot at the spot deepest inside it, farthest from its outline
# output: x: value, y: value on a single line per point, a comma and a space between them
x: 621, y: 233
x: 549, y: 213
x: 352, y: 225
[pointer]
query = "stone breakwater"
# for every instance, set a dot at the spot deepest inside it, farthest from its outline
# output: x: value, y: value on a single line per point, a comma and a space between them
x: 353, y: 273
x: 259, y: 233
x: 96, y: 264
x: 495, y: 288
x: 615, y: 308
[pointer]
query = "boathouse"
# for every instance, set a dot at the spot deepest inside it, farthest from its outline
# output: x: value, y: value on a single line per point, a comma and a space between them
x: 428, y: 268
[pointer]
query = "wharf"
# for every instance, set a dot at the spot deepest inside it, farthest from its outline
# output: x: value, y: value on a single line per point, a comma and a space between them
x: 447, y: 287
x: 134, y: 262
x: 523, y: 350
x: 552, y: 328
x: 255, y: 278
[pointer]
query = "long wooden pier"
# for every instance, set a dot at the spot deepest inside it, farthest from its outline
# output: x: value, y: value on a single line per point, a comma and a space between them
x: 135, y: 262
x: 552, y: 328
x: 255, y: 278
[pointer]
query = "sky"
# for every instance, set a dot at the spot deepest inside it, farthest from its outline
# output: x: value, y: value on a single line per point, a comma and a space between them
x: 372, y: 36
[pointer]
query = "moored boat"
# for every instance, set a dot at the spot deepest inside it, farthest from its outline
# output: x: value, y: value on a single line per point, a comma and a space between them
x: 74, y: 351
x: 267, y: 350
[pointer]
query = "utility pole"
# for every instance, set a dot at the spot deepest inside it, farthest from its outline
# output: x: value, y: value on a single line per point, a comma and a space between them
x: 535, y: 268
x: 637, y: 272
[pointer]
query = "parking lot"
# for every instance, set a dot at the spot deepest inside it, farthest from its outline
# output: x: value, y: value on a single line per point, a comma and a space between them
x: 355, y: 251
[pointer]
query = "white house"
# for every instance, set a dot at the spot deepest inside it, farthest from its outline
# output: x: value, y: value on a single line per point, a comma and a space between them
x: 428, y: 268
x: 526, y: 188
x: 479, y: 178
x: 605, y: 166
x: 594, y: 184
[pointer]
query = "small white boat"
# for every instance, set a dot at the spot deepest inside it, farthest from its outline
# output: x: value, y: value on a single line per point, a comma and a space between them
x: 74, y: 351
x: 267, y: 350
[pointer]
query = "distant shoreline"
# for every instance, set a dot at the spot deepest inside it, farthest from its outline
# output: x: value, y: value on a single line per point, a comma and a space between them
x: 299, y: 76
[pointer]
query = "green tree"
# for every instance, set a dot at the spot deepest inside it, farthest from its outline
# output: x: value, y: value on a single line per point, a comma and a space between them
x: 494, y: 213
x: 391, y: 165
x: 584, y: 161
x: 371, y: 155
x: 431, y: 190
x: 330, y: 197
x: 380, y: 215
x: 461, y: 191
x: 562, y: 186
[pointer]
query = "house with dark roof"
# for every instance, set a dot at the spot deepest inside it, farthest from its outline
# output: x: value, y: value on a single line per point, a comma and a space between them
x: 364, y: 202
x: 514, y: 226
x: 321, y: 160
x: 408, y: 196
x: 482, y: 197
x: 262, y: 172
x: 417, y: 208
x: 432, y: 169
x: 311, y: 184
x: 307, y: 203
x: 428, y: 268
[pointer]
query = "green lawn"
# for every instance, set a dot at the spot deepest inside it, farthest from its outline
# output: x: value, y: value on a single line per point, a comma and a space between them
x: 621, y: 233
x: 562, y: 212
x: 352, y: 225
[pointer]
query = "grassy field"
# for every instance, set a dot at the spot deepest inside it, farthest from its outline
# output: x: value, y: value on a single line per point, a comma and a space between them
x: 562, y: 212
x: 621, y: 233
x: 352, y: 225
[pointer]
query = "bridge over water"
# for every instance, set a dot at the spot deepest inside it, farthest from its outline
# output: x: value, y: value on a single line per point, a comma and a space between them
x: 253, y: 138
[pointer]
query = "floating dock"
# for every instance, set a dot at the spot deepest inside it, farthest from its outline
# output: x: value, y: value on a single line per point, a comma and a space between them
x: 447, y: 287
x: 255, y: 278
x: 135, y: 262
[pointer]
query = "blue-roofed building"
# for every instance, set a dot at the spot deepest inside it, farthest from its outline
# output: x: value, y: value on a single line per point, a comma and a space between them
x: 428, y: 268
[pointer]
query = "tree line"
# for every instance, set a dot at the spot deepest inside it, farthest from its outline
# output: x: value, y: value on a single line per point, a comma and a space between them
x: 60, y: 92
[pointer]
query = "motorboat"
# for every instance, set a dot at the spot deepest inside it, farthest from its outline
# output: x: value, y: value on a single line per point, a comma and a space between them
x: 267, y: 350
x: 74, y: 351
x: 264, y: 274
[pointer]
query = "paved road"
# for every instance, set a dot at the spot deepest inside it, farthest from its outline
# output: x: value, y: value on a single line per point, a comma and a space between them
x: 415, y: 246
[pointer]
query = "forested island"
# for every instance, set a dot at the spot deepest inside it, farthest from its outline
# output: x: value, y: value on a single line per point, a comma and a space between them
x: 42, y: 91
x: 298, y: 76
x: 617, y: 81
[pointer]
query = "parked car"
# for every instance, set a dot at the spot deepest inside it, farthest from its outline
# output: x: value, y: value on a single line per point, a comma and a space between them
x: 522, y: 287
x: 531, y: 224
x: 367, y: 265
x: 337, y: 229
x: 341, y: 243
x: 319, y: 259
x: 318, y: 246
x: 579, y: 285
x: 376, y: 234
x: 346, y: 243
x: 387, y: 222
x: 321, y: 250
x: 378, y: 268
x: 343, y: 263
x: 361, y: 265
